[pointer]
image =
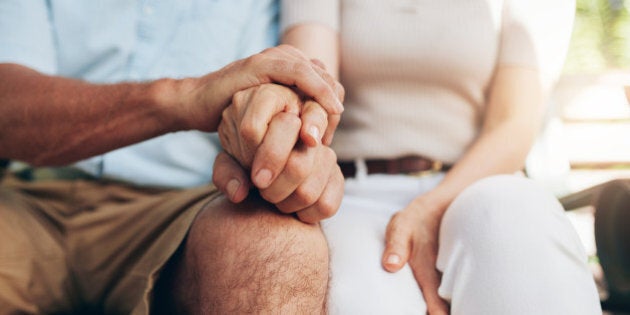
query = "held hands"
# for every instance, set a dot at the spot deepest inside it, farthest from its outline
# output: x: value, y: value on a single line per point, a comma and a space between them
x: 207, y: 96
x: 269, y: 130
x: 412, y: 237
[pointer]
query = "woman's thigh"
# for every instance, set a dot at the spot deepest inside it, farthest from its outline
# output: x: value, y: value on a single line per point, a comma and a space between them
x: 356, y: 237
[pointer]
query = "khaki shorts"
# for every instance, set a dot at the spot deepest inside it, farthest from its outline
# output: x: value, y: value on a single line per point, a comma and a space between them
x: 86, y: 245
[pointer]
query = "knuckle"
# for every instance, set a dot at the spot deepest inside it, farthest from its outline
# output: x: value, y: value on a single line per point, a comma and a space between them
x: 318, y: 63
x: 248, y: 130
x: 306, y: 195
x: 269, y: 196
x: 267, y: 89
x: 329, y: 78
x: 226, y: 116
x: 280, y: 65
x: 327, y: 206
x: 329, y: 155
x: 285, y: 207
x: 292, y: 121
x: 341, y: 91
x: 239, y: 97
x: 302, y: 69
x: 271, y: 158
x: 322, y: 89
x: 316, y: 112
x: 259, y: 58
x: 297, y: 168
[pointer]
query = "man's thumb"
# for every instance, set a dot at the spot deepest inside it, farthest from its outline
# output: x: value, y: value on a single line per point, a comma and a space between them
x: 230, y: 178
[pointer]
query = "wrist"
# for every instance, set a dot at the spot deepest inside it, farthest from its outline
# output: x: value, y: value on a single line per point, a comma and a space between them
x: 175, y: 102
x: 432, y: 203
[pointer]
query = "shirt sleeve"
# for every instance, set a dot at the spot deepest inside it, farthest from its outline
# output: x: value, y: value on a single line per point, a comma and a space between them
x: 536, y: 34
x: 294, y: 12
x: 26, y: 35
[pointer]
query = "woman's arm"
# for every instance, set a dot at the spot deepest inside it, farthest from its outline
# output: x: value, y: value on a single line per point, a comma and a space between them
x: 512, y: 119
x: 317, y: 41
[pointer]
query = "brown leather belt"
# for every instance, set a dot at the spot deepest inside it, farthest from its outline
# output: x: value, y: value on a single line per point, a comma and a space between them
x: 409, y: 165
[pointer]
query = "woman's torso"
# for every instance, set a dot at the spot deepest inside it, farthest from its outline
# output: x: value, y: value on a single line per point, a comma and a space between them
x: 416, y: 73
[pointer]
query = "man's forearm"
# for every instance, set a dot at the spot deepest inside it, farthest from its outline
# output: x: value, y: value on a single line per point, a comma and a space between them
x: 48, y: 120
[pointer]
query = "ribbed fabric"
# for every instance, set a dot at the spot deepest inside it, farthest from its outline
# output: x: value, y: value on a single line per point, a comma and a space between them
x: 417, y: 72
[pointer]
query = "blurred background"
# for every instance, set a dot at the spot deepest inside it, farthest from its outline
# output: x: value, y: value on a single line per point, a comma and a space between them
x: 586, y: 139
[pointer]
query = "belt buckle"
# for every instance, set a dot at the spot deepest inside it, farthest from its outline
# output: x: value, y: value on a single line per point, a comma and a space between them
x: 436, y: 167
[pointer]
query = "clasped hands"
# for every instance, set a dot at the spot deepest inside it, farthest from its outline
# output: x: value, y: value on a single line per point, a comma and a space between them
x: 276, y: 139
x: 280, y: 141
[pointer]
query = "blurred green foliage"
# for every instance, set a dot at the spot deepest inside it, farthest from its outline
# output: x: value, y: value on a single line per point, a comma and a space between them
x: 601, y: 37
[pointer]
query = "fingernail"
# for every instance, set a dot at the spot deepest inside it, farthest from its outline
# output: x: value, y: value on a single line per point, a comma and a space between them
x: 314, y: 132
x: 232, y: 187
x: 393, y: 260
x: 263, y: 177
x: 339, y: 106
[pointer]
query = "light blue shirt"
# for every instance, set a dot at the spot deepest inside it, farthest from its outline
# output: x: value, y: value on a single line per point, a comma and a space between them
x: 107, y: 41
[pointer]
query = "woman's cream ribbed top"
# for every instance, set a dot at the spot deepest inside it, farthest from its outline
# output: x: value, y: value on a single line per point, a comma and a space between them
x: 416, y: 72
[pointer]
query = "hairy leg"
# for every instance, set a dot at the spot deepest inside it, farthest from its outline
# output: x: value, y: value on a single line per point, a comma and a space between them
x: 247, y: 258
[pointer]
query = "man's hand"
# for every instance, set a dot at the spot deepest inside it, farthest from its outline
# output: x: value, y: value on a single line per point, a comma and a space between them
x: 310, y: 185
x: 50, y: 124
x: 412, y: 237
x: 283, y: 64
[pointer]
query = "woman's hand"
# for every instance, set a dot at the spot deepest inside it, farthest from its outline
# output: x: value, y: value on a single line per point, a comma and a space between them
x: 412, y: 237
x: 271, y: 132
x: 247, y: 121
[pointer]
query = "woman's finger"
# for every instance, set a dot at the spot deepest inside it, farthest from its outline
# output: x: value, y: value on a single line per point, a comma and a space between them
x: 314, y: 123
x: 428, y: 278
x: 262, y: 106
x: 329, y: 201
x: 397, y: 243
x: 273, y: 153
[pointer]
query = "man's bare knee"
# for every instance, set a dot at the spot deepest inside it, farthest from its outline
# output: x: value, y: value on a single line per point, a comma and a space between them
x: 250, y: 258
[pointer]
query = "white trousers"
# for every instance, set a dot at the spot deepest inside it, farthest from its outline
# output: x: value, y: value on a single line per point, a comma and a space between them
x: 505, y: 247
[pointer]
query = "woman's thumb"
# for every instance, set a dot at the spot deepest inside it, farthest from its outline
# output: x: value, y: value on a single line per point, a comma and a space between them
x: 397, y: 243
